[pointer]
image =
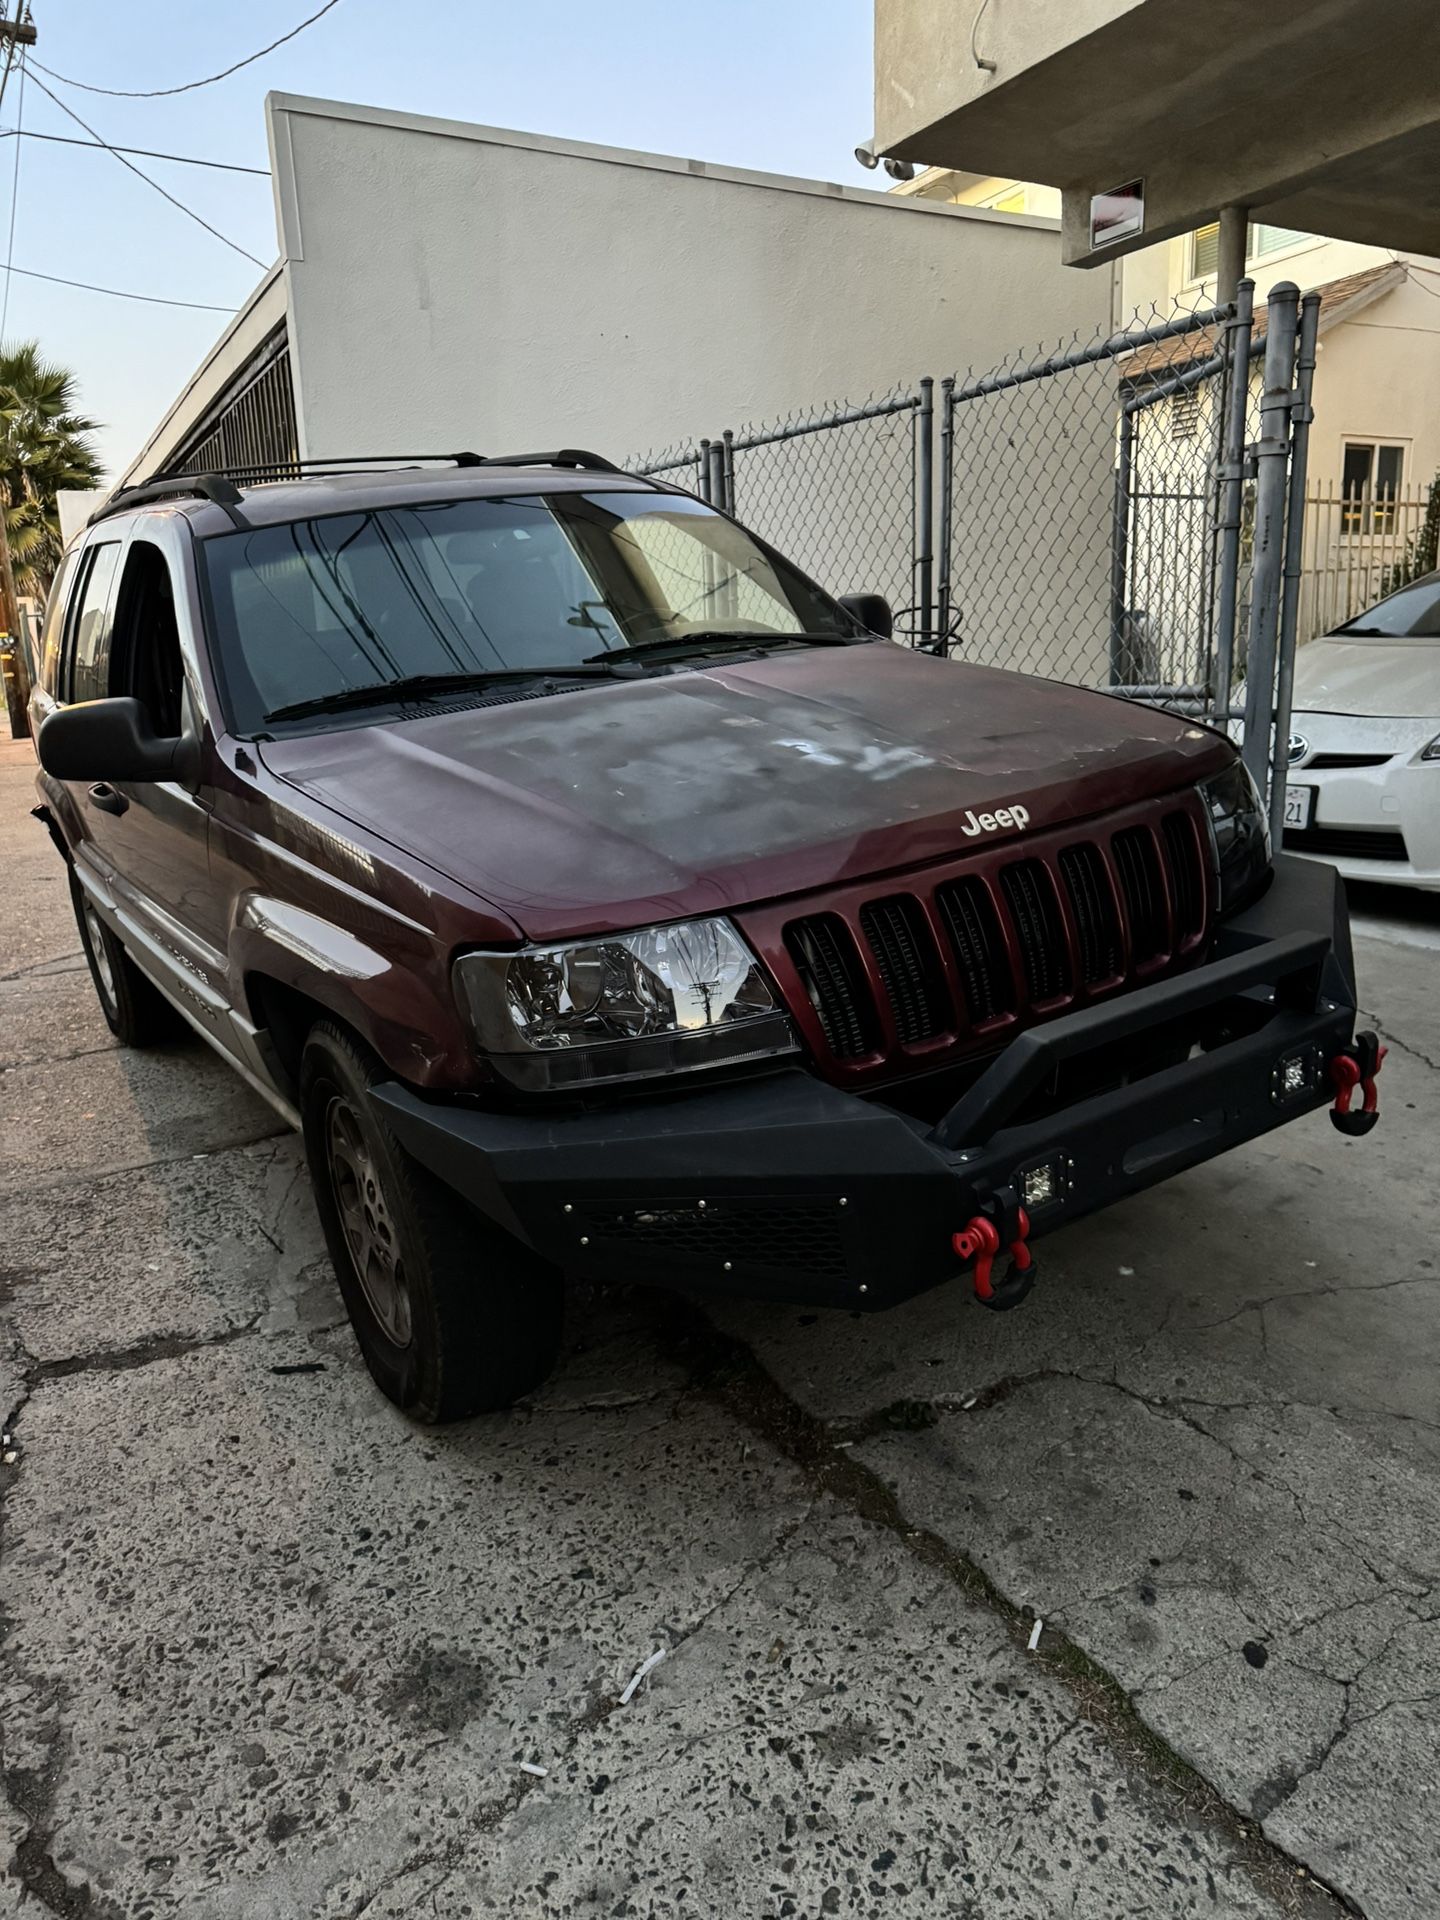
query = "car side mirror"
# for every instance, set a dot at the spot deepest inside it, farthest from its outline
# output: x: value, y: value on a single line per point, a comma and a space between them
x: 112, y: 740
x: 872, y: 610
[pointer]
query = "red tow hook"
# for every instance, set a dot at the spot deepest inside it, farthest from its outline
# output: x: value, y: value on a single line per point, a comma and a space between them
x: 979, y: 1240
x: 1357, y: 1069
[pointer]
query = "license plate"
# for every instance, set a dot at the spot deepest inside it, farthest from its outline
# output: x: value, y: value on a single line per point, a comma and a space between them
x: 1299, y: 806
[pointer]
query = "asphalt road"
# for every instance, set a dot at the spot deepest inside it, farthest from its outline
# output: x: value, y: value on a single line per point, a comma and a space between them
x: 267, y: 1650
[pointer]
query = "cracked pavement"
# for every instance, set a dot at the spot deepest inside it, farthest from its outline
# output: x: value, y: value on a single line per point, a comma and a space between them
x: 268, y: 1650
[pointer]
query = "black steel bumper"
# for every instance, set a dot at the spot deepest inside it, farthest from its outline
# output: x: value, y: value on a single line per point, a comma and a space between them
x: 784, y: 1186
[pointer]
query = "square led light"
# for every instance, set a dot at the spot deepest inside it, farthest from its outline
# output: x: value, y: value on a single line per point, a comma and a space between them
x: 1038, y: 1185
x: 1294, y: 1074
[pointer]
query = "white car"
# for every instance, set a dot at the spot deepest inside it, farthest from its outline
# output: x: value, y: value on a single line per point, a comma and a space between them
x: 1363, y: 785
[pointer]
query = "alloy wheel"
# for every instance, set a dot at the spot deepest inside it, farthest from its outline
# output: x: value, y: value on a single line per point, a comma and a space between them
x: 366, y: 1220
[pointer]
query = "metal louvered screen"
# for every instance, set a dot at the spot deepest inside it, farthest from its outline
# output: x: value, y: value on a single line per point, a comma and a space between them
x: 254, y: 432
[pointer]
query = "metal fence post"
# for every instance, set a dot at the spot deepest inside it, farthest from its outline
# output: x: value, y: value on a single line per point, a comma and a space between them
x: 925, y: 511
x: 1120, y: 546
x: 1272, y: 462
x: 1232, y: 496
x: 1301, y: 416
x: 704, y: 469
x: 947, y: 509
x: 727, y: 470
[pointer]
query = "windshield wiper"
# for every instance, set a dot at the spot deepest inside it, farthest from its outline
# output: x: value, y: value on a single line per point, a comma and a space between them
x: 708, y: 640
x: 432, y: 686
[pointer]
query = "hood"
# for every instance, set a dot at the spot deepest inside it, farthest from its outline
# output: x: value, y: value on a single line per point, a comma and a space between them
x: 629, y: 802
x: 1386, y: 679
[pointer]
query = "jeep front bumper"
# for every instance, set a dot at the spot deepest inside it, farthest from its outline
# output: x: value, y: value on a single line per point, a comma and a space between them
x: 784, y: 1186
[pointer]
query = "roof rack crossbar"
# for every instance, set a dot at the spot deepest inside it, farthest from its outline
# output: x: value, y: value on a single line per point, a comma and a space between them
x: 564, y: 457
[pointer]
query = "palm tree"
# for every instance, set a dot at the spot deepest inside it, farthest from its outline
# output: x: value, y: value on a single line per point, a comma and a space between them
x: 44, y: 446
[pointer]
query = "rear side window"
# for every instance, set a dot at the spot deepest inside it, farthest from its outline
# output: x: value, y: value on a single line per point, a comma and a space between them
x: 55, y: 625
x: 90, y: 629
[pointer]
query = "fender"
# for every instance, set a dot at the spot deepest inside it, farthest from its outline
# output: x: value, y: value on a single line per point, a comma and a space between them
x: 399, y: 1001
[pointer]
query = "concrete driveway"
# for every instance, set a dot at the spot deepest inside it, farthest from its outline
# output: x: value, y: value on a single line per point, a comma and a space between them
x: 265, y: 1649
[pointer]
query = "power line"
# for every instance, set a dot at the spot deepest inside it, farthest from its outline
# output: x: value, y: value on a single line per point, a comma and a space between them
x: 148, y: 153
x: 120, y: 293
x: 14, y: 206
x: 160, y: 93
x: 164, y: 194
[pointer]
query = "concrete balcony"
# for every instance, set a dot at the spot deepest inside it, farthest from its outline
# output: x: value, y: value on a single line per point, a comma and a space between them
x: 1318, y: 114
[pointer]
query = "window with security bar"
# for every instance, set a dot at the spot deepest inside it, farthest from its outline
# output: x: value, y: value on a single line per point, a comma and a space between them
x: 1370, y: 485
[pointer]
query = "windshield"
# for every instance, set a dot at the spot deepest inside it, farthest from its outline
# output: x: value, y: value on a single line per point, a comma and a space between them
x: 1412, y: 612
x: 318, y: 607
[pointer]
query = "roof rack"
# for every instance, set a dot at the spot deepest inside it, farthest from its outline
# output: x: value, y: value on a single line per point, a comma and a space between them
x: 565, y: 457
x: 215, y: 487
x: 222, y: 486
x: 345, y: 463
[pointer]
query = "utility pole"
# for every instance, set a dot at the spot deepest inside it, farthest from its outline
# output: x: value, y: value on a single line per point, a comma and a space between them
x: 14, y: 34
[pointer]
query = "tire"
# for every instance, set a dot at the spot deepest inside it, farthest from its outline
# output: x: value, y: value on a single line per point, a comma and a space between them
x: 135, y: 1010
x: 453, y: 1316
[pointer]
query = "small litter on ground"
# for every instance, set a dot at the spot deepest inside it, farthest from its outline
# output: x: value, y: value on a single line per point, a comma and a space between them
x: 1035, y: 1632
x: 642, y: 1672
x: 529, y: 1766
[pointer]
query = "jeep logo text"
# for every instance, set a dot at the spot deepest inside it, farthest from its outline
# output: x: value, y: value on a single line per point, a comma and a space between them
x: 974, y: 823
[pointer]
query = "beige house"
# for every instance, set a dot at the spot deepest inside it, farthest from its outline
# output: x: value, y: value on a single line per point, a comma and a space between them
x: 1375, y: 441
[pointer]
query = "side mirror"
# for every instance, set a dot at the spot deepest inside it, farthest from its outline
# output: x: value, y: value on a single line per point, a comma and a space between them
x: 111, y: 740
x: 872, y: 610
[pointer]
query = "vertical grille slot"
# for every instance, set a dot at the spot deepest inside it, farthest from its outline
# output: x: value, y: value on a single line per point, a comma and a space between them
x: 1035, y: 910
x: 834, y: 981
x: 1187, y: 877
x: 1142, y: 888
x: 899, y: 937
x: 969, y: 918
x: 1096, y: 923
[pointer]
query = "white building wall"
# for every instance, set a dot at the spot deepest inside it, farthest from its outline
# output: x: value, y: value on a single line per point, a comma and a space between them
x: 451, y: 285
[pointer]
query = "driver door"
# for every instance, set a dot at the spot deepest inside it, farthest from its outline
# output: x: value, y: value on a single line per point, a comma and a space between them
x: 148, y: 841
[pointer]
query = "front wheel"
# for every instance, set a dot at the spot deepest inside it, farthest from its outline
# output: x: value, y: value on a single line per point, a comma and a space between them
x: 453, y: 1317
x: 135, y: 1011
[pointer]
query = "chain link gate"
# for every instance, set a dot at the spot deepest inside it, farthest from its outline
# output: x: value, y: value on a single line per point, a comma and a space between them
x: 846, y: 493
x: 1125, y: 513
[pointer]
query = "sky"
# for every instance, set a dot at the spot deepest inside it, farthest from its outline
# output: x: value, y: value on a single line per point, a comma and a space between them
x: 780, y: 85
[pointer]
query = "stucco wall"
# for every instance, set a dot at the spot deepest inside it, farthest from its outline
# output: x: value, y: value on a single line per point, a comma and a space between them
x: 456, y: 286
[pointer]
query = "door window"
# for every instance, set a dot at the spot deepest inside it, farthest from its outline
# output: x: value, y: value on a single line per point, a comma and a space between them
x: 145, y: 646
x: 90, y: 631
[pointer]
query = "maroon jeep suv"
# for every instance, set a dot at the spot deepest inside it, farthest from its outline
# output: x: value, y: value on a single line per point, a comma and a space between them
x: 600, y: 896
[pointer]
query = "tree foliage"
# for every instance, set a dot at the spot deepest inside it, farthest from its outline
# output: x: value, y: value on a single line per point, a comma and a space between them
x: 45, y: 445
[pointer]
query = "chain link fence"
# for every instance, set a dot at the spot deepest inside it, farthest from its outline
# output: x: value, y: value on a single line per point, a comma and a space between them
x: 1063, y: 513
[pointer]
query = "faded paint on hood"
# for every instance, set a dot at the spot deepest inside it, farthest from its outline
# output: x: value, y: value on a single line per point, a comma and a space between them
x: 1387, y: 679
x: 629, y: 802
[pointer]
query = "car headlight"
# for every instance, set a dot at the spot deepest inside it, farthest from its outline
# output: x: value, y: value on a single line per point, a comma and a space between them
x: 1432, y: 751
x: 623, y: 1007
x: 1239, y: 835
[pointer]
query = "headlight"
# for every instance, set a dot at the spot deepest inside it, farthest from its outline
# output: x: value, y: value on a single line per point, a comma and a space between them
x: 629, y: 1006
x: 1239, y: 835
x: 1432, y: 751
